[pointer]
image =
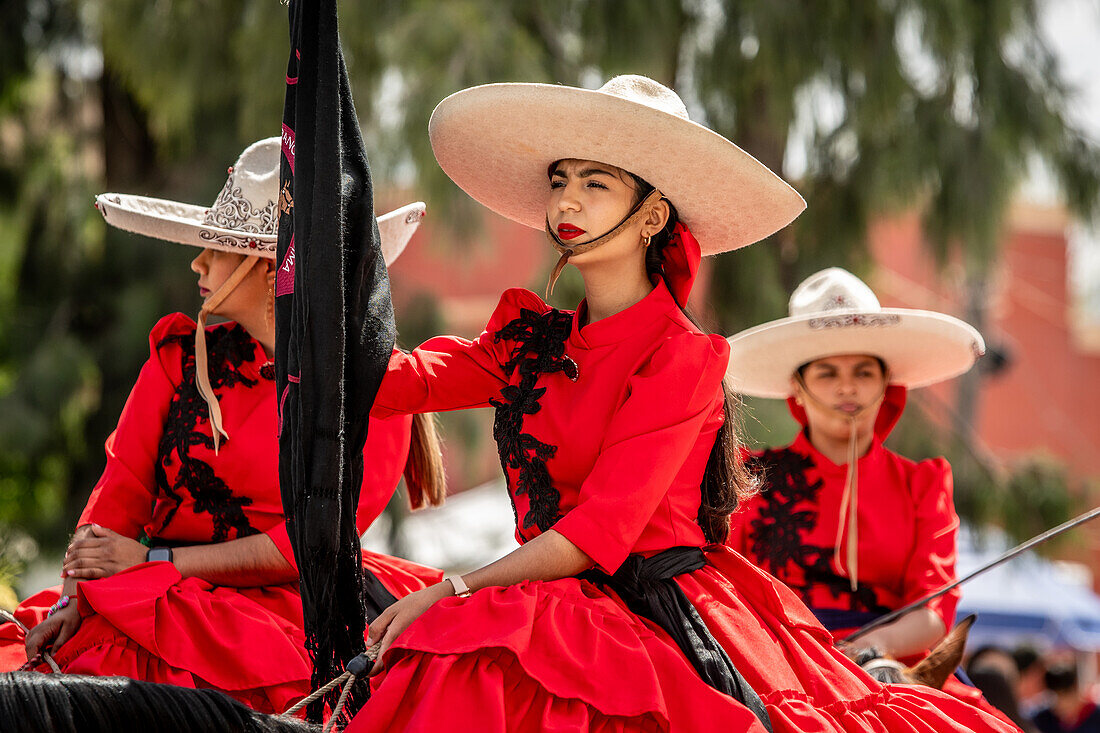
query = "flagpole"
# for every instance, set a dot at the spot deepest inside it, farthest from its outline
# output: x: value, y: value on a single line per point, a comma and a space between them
x: 1024, y: 547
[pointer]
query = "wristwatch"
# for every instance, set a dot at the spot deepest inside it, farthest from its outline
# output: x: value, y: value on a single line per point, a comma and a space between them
x: 159, y: 554
x: 461, y: 589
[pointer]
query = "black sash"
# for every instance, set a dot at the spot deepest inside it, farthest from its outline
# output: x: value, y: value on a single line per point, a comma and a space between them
x: 646, y: 585
x: 836, y: 618
x: 375, y: 596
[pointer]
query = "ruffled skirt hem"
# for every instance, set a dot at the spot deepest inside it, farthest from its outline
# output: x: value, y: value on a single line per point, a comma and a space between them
x: 565, y: 655
x: 150, y: 624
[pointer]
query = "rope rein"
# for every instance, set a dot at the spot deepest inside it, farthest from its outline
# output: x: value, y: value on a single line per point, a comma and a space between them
x: 355, y: 669
x: 44, y: 654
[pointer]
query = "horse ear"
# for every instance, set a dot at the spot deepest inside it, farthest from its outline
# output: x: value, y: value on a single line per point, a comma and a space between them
x: 945, y: 658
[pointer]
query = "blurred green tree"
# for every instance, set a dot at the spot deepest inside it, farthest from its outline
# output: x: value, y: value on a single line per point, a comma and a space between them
x: 870, y: 107
x: 76, y: 301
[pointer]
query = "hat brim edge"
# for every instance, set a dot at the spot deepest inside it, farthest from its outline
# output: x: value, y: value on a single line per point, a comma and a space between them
x: 185, y: 226
x: 920, y: 348
x: 724, y: 195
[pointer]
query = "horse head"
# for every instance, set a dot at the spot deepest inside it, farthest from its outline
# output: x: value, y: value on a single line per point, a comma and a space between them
x: 932, y: 671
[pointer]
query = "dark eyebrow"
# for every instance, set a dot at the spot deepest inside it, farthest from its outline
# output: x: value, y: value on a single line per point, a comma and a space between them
x: 584, y: 173
x: 825, y: 366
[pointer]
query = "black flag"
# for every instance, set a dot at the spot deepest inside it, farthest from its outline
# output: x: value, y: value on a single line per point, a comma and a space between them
x: 334, y: 334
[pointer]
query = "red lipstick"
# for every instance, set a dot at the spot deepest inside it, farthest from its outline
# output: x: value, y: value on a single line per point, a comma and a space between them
x: 568, y: 231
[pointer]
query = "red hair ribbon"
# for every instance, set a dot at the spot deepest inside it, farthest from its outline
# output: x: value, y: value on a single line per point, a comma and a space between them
x: 682, y: 257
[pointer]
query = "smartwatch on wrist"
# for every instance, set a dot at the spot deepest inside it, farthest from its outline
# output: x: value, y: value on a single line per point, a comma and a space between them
x: 159, y: 554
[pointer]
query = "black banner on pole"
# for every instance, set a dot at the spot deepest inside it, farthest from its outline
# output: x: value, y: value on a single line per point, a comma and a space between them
x: 334, y: 334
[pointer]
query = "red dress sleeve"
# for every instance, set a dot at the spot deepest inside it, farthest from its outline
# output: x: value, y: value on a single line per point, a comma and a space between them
x: 648, y: 441
x: 384, y: 458
x: 451, y: 373
x: 932, y: 564
x: 279, y: 535
x: 122, y: 499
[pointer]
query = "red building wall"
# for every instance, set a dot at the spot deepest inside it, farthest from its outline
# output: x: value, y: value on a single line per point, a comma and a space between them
x: 1048, y: 398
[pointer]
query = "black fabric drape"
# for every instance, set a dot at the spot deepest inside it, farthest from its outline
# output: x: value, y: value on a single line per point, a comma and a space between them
x: 648, y: 588
x: 334, y: 334
x: 376, y: 598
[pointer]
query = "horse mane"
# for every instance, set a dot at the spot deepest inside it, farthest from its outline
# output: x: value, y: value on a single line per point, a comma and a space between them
x: 34, y: 702
x: 881, y: 667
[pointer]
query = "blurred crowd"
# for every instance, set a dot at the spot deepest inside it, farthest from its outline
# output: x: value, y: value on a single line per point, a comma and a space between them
x: 1040, y: 692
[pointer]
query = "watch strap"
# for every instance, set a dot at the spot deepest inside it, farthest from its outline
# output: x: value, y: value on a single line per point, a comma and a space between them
x: 461, y: 589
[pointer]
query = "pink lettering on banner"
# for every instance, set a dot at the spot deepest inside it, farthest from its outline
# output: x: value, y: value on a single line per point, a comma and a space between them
x: 284, y: 278
x: 282, y: 404
x: 293, y: 379
x: 288, y: 146
x: 292, y: 80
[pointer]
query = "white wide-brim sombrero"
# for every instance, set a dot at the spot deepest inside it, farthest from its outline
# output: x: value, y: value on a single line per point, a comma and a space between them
x: 833, y: 313
x: 497, y: 142
x: 244, y: 218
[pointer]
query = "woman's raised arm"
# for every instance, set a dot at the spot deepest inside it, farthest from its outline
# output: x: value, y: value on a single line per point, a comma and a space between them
x: 451, y: 373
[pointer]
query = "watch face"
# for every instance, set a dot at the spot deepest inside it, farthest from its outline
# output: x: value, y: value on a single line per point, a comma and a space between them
x: 159, y: 554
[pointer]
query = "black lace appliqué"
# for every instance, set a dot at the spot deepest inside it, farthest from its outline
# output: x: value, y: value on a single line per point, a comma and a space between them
x: 228, y: 347
x: 777, y: 532
x: 789, y: 510
x: 539, y: 349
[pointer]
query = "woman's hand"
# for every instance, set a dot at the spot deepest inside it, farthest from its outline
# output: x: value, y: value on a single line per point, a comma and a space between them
x: 53, y: 631
x: 100, y: 553
x: 398, y: 617
x: 547, y: 557
x: 913, y: 633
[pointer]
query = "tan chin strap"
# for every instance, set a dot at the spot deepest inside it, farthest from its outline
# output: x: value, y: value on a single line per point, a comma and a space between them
x: 849, y: 501
x: 202, y: 375
x: 568, y: 251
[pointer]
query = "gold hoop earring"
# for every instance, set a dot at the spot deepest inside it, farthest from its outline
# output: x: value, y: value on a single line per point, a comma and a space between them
x: 647, y: 240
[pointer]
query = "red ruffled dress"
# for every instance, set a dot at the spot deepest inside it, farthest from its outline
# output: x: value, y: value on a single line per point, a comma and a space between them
x: 908, y: 531
x: 908, y: 528
x: 604, y: 433
x: 164, y: 481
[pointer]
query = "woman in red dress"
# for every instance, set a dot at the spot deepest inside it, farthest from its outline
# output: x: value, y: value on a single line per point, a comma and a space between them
x: 621, y: 609
x: 180, y: 569
x: 853, y: 528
